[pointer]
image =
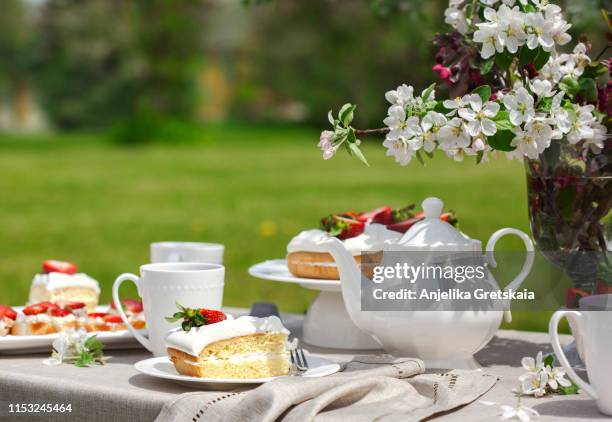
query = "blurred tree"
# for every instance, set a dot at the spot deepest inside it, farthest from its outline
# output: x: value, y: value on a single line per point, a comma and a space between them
x: 106, y: 61
x: 15, y: 58
x: 323, y: 52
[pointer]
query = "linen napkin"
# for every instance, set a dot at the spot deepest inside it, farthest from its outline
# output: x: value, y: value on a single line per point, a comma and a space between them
x: 379, y: 388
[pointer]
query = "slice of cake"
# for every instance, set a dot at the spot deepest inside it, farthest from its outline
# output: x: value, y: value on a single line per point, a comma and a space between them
x: 60, y: 282
x: 43, y: 318
x: 224, y: 347
x: 7, y: 319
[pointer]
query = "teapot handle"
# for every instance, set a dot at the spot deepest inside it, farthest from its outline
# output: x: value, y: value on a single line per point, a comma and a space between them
x: 518, y: 280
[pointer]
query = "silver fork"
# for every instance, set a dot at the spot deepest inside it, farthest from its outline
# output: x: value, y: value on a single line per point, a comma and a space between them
x: 298, y: 359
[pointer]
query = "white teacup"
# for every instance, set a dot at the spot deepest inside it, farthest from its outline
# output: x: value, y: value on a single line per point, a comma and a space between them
x: 210, y: 253
x: 595, y: 327
x: 163, y: 285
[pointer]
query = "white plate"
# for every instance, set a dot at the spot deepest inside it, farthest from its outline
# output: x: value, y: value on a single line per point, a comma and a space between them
x: 31, y: 344
x: 277, y: 270
x: 163, y: 368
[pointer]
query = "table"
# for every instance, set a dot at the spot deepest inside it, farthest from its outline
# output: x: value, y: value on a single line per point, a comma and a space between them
x: 94, y: 391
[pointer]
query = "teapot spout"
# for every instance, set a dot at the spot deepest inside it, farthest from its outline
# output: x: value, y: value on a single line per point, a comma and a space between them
x: 350, y: 278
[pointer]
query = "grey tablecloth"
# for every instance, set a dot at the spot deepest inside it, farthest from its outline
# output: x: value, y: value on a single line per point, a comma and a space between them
x: 117, y: 392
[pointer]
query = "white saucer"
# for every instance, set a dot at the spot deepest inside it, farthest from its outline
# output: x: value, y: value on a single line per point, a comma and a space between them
x: 162, y: 368
x: 277, y: 270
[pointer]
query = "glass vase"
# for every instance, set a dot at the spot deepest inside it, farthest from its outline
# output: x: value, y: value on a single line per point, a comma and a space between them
x: 569, y: 194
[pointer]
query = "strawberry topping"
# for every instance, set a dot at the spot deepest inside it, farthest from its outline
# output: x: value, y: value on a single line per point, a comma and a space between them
x: 8, y: 312
x: 97, y: 315
x: 60, y: 312
x: 35, y: 309
x: 383, y: 215
x: 71, y: 306
x: 131, y: 305
x: 212, y: 316
x: 53, y: 266
x: 112, y: 319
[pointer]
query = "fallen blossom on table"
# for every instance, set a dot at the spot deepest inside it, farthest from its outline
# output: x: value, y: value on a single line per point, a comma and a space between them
x: 521, y: 413
x: 76, y: 347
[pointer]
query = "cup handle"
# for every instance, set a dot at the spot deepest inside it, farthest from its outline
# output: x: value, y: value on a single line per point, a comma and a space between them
x: 554, y: 340
x: 129, y: 277
x: 518, y: 280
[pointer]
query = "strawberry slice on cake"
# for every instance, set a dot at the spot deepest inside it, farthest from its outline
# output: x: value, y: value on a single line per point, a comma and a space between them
x: 364, y: 233
x: 60, y: 282
x: 7, y: 319
x: 211, y: 344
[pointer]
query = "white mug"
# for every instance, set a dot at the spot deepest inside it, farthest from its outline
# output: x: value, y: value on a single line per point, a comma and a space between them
x: 595, y: 327
x: 210, y: 253
x: 163, y: 285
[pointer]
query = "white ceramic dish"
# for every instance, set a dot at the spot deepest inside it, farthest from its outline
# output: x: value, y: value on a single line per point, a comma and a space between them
x: 33, y: 344
x: 162, y: 368
x: 277, y: 270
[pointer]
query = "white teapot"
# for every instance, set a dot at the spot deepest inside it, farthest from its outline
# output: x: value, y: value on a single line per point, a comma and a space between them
x: 442, y: 338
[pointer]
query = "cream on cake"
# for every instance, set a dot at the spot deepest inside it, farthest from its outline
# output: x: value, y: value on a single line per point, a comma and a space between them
x: 304, y: 260
x: 61, y: 287
x: 245, y: 347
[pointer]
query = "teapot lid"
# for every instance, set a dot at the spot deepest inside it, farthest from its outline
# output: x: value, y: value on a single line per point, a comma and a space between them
x: 433, y: 233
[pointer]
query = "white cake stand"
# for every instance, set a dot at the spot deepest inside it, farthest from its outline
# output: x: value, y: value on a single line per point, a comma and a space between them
x: 327, y: 324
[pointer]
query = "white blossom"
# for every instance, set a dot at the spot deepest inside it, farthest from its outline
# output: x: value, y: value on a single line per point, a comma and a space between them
x: 489, y: 38
x: 401, y: 96
x: 403, y: 149
x: 542, y: 88
x: 326, y: 143
x: 581, y: 124
x: 456, y: 18
x: 539, y: 32
x: 479, y: 116
x: 534, y: 383
x: 556, y: 377
x: 431, y: 125
x: 453, y: 135
x: 520, y: 106
x: 521, y: 413
x: 396, y: 122
x: 528, y: 144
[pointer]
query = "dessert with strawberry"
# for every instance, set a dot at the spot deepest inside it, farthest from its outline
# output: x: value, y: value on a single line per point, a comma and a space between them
x: 44, y: 318
x: 211, y: 344
x: 133, y: 310
x: 7, y: 319
x: 366, y: 232
x: 103, y: 321
x: 60, y: 282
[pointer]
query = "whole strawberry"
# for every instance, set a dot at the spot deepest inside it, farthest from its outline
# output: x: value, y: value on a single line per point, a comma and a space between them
x: 196, y: 317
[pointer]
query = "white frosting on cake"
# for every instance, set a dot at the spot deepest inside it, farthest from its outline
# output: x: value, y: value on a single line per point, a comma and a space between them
x: 374, y: 238
x: 196, y: 339
x: 55, y: 281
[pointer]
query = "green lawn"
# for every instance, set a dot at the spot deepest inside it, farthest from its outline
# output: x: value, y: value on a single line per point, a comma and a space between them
x: 83, y: 199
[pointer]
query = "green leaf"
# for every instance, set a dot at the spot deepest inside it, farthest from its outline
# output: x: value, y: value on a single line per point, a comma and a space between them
x: 572, y: 389
x: 570, y: 85
x: 358, y: 154
x: 428, y: 91
x: 526, y: 55
x: 504, y: 59
x: 566, y: 200
x: 504, y: 125
x: 84, y: 359
x: 529, y: 8
x: 588, y: 89
x: 487, y: 66
x: 594, y: 70
x: 549, y: 360
x: 502, y: 140
x: 484, y: 91
x: 346, y: 114
x: 420, y: 158
x: 479, y: 156
x: 501, y: 115
x: 330, y: 117
x: 351, y: 136
x: 541, y: 59
x: 439, y: 107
